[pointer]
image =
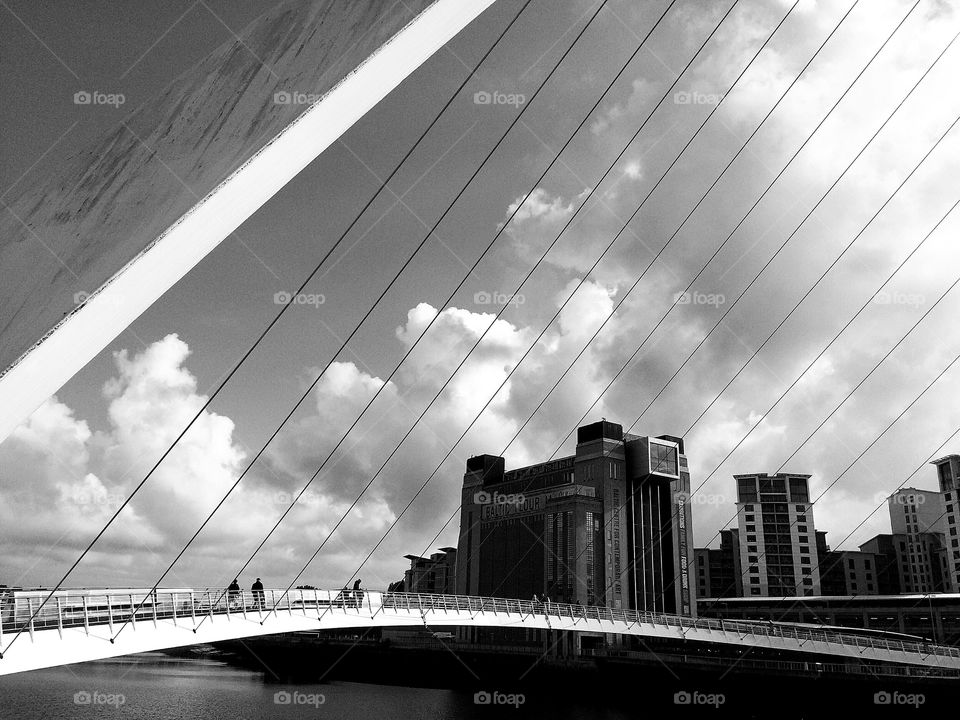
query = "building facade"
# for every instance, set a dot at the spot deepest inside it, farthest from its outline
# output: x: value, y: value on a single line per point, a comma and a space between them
x: 848, y: 572
x: 432, y: 575
x: 718, y: 572
x: 948, y: 476
x: 918, y: 517
x: 609, y: 525
x: 888, y: 550
x: 778, y: 548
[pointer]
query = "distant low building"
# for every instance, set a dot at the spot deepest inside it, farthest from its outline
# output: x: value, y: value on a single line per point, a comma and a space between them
x: 935, y: 617
x: 718, y: 571
x: 848, y: 572
x: 436, y: 574
x: 886, y: 549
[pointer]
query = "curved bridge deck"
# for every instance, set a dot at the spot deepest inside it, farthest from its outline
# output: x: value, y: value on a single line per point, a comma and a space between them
x: 82, y: 625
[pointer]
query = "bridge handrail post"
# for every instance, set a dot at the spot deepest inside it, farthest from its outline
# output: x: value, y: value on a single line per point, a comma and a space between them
x: 173, y: 604
x: 156, y: 601
x: 30, y: 611
x: 210, y: 605
x: 109, y: 613
x: 86, y: 615
x: 59, y: 618
x: 133, y: 614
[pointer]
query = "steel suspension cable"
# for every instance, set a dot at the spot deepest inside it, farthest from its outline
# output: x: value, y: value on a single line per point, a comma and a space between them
x: 480, y: 339
x: 674, y: 234
x: 738, y: 225
x: 396, y: 277
x: 875, y: 367
x: 273, y: 322
x: 865, y: 227
x: 882, y: 503
x: 865, y: 450
x: 935, y: 145
x: 436, y: 317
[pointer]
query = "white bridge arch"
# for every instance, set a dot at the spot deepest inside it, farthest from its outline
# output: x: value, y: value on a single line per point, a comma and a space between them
x: 83, y: 625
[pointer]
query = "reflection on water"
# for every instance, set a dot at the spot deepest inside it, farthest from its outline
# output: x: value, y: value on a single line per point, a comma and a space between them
x: 153, y: 685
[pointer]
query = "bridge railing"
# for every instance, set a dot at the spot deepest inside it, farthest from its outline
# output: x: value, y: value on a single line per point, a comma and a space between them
x: 431, y: 603
x: 113, y: 608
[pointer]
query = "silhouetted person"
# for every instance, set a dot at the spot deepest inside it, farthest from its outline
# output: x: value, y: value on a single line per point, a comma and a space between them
x: 258, y: 596
x: 233, y: 591
x: 357, y: 593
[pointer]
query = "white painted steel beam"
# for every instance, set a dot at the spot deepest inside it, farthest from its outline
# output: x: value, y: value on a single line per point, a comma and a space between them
x: 140, y: 268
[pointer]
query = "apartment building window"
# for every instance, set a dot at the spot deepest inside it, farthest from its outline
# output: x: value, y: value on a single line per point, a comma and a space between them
x: 798, y: 490
x: 747, y: 490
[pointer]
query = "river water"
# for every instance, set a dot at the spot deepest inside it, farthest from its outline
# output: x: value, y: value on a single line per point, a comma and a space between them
x: 167, y: 688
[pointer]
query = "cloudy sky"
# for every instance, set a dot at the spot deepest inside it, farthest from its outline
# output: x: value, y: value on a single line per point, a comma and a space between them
x: 66, y: 469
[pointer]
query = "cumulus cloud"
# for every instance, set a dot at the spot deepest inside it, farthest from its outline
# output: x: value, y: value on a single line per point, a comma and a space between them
x: 60, y: 452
